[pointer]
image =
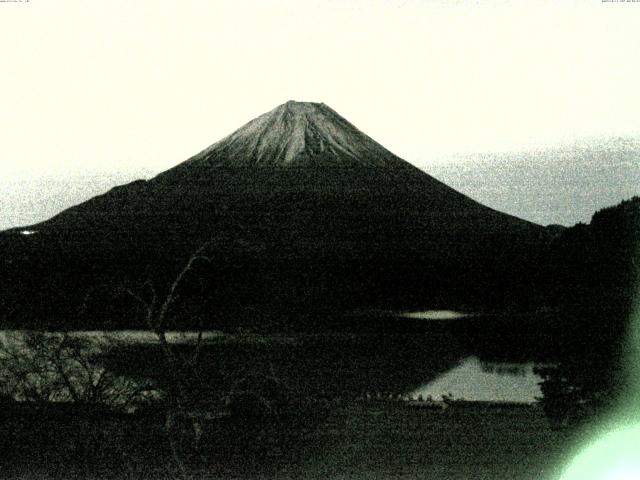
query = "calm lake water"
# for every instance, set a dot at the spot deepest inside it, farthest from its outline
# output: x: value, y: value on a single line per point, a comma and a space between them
x: 475, y: 380
x: 436, y: 362
x: 435, y: 315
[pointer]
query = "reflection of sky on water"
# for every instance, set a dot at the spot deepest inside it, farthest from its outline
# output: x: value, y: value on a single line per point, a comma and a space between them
x: 435, y: 315
x: 478, y: 381
x: 120, y: 337
x: 471, y: 379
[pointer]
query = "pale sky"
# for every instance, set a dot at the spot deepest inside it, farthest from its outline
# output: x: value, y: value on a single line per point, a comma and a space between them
x: 105, y: 90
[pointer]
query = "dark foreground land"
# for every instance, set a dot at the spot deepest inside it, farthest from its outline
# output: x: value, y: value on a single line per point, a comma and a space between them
x: 322, y: 440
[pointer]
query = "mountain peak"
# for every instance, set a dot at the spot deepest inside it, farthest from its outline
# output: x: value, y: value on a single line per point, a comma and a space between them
x: 297, y: 134
x: 294, y: 106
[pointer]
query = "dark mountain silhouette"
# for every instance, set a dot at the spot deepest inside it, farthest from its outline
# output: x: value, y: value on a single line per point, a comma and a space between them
x: 303, y: 213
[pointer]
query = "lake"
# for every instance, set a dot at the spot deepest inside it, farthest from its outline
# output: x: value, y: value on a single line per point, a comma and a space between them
x: 343, y: 384
x: 444, y: 356
x: 475, y: 380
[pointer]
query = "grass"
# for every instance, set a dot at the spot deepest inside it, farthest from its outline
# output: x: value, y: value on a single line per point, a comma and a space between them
x: 351, y: 440
x: 388, y: 440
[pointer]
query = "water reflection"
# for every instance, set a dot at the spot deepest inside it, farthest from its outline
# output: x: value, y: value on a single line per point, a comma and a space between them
x: 339, y: 365
x: 475, y: 380
x: 434, y: 315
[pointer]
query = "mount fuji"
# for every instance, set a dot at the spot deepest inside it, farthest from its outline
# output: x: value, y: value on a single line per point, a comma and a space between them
x: 301, y: 212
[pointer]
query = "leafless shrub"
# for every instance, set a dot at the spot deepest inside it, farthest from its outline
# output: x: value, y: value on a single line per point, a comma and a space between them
x: 182, y: 421
x: 44, y: 367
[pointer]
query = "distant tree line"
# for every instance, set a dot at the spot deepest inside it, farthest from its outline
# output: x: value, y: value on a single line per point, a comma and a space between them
x: 592, y: 272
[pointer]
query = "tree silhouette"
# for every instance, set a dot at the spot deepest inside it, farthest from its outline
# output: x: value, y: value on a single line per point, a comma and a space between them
x: 595, y: 270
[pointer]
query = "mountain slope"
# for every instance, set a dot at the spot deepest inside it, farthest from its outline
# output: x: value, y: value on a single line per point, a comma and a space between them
x: 303, y: 213
x: 297, y: 134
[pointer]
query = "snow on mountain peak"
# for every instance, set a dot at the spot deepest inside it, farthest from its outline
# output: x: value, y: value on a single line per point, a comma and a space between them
x: 297, y: 134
